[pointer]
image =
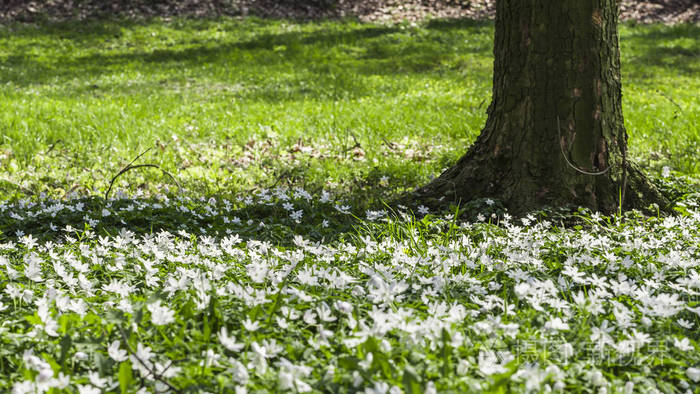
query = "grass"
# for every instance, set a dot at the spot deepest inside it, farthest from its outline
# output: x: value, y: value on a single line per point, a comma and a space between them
x: 275, y: 267
x: 218, y: 86
x: 240, y: 104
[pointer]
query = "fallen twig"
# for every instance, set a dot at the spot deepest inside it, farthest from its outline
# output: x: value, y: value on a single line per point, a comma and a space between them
x: 153, y: 373
x: 662, y: 94
x: 130, y: 166
x: 357, y: 144
x: 53, y: 146
x: 389, y: 145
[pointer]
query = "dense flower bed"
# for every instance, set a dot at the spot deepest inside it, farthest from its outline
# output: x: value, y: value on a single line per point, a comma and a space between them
x: 399, y: 305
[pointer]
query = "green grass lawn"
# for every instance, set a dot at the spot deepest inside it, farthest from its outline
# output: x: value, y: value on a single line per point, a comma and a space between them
x: 233, y: 105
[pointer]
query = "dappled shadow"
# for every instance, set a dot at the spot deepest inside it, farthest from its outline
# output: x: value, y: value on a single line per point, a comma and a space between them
x: 251, y: 217
x: 459, y: 23
x: 328, y: 59
x: 84, y: 32
x: 326, y: 213
x: 660, y: 32
x: 672, y: 47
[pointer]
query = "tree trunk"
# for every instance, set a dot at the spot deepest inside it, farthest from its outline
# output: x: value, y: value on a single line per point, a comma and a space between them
x: 555, y: 134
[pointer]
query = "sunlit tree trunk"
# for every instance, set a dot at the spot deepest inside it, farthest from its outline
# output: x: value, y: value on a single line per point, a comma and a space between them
x: 555, y: 134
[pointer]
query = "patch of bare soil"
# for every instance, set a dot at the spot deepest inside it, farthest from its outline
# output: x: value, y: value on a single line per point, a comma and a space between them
x: 665, y: 11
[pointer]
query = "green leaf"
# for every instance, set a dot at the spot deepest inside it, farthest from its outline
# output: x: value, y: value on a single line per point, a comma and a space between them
x: 114, y: 317
x: 33, y: 319
x: 411, y: 381
x: 350, y: 363
x: 54, y: 365
x: 206, y: 330
x: 66, y: 343
x: 125, y: 376
x: 500, y: 384
x: 138, y: 313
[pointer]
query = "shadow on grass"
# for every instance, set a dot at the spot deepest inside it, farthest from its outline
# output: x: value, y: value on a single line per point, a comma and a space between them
x: 262, y: 214
x: 257, y: 220
x: 650, y: 47
x: 336, y: 57
x: 459, y: 23
x: 277, y: 214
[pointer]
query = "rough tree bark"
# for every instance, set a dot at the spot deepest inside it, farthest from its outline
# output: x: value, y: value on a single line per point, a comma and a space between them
x: 555, y: 134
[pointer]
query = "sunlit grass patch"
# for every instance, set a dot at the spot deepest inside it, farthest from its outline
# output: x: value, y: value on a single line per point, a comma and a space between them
x: 79, y: 101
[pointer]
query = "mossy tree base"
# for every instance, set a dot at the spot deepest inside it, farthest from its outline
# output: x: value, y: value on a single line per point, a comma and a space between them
x: 471, y: 178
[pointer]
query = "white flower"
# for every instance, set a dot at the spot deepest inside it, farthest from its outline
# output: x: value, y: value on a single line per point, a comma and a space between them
x: 522, y: 289
x: 379, y: 388
x: 87, y: 389
x: 125, y: 306
x: 566, y: 350
x: 290, y: 376
x: 229, y: 342
x: 296, y: 215
x: 343, y: 306
x: 166, y: 370
x: 556, y: 324
x: 640, y: 338
x: 666, y: 171
x: 683, y: 344
x: 116, y: 353
x: 374, y: 215
x: 210, y: 358
x: 685, y: 323
x: 463, y: 367
x: 625, y: 346
x: 61, y: 382
x: 241, y: 390
x: 596, y: 378
x: 24, y: 387
x: 50, y: 325
x: 119, y: 287
x: 693, y: 374
x: 29, y: 241
x: 250, y: 326
x: 489, y: 362
x: 259, y: 356
x: 32, y: 269
x: 96, y: 380
x: 310, y: 317
x: 662, y: 305
x: 532, y: 375
x: 342, y: 209
x: 325, y: 313
x: 143, y: 353
x: 238, y: 371
x: 160, y: 315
